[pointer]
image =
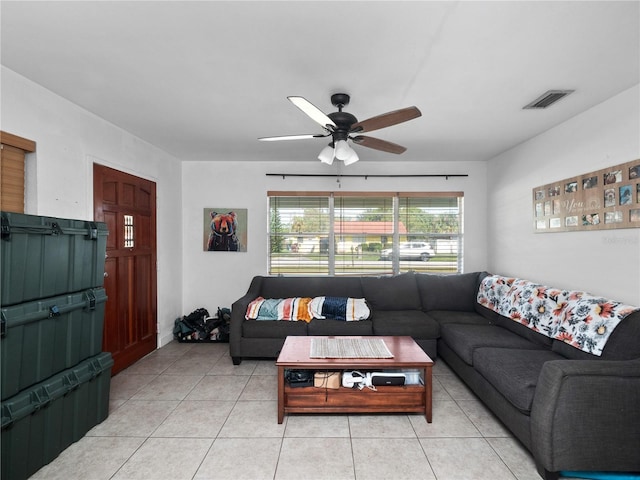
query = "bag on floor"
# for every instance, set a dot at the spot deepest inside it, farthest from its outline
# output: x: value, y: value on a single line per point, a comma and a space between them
x: 220, y: 326
x: 193, y: 327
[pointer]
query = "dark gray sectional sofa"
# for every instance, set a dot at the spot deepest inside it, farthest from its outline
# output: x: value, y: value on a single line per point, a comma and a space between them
x: 533, y: 354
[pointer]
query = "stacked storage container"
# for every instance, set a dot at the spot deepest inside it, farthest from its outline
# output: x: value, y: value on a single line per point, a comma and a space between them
x: 55, y: 379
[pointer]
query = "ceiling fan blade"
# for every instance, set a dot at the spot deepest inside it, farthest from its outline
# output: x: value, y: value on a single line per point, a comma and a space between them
x: 312, y: 111
x: 291, y: 137
x: 378, y: 144
x: 386, y: 120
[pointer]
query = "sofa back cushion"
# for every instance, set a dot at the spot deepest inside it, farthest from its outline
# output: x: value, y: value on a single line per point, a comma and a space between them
x: 455, y: 292
x: 574, y: 318
x: 397, y: 292
x: 623, y: 343
x: 283, y: 287
x: 519, y: 328
x: 589, y: 322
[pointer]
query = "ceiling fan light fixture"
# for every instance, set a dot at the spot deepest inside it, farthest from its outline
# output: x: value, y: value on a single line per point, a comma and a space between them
x: 327, y: 155
x: 353, y: 158
x: 340, y: 125
x: 343, y: 151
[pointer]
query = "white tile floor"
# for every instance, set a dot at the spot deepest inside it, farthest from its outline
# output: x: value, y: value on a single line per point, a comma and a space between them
x: 186, y: 412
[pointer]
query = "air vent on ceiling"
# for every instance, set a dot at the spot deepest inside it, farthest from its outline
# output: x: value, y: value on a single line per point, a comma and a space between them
x: 548, y: 98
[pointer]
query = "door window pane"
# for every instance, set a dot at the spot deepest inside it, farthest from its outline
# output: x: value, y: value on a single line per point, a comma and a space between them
x: 128, y: 231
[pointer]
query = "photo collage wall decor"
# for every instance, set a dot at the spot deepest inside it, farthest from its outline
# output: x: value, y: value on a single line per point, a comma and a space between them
x: 600, y: 200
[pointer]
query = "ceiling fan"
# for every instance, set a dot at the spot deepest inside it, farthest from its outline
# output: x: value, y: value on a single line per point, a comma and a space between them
x: 343, y: 126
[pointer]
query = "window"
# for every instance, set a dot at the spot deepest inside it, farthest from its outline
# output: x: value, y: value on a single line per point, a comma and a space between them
x: 12, y: 171
x: 299, y: 235
x: 346, y: 233
x: 437, y: 222
x: 362, y: 228
x: 128, y: 231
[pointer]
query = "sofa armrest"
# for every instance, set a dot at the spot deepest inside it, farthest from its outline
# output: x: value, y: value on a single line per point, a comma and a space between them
x: 238, y: 311
x: 585, y: 416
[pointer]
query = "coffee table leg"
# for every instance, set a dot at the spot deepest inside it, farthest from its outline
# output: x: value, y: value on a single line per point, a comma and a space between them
x: 280, y: 394
x: 428, y: 393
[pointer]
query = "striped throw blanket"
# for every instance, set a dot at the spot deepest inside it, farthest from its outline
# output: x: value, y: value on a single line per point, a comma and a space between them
x: 292, y: 309
x: 305, y: 309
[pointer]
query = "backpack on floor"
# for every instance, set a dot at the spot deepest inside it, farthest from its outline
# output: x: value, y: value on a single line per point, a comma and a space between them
x: 220, y: 331
x: 192, y: 327
x: 198, y: 326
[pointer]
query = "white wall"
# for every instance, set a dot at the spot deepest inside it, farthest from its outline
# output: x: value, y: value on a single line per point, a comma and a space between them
x: 498, y: 200
x: 605, y: 262
x: 215, y: 279
x: 68, y: 141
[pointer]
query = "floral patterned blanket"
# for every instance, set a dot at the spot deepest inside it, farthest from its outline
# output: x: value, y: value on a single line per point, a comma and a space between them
x: 577, y: 318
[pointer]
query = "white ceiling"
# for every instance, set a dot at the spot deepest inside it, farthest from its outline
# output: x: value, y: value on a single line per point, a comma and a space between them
x: 202, y: 80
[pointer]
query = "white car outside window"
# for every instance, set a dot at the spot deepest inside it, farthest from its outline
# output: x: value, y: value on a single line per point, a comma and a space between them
x: 410, y: 251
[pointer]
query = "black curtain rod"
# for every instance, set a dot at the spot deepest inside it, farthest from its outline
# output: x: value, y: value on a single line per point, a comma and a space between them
x: 284, y: 175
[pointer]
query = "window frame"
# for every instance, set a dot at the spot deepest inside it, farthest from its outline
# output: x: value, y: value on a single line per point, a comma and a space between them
x: 12, y: 167
x: 397, y: 265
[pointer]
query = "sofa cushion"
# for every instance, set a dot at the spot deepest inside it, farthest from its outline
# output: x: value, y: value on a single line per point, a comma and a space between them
x: 487, y: 313
x: 338, y: 327
x: 514, y: 326
x: 272, y: 329
x: 283, y: 287
x: 524, y: 331
x: 397, y: 292
x: 465, y: 339
x: 456, y: 292
x: 414, y: 323
x: 513, y: 372
x: 589, y: 322
x: 578, y: 318
x: 446, y: 316
x: 623, y: 343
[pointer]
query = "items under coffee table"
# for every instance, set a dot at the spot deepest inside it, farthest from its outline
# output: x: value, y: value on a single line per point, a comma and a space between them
x: 368, y: 354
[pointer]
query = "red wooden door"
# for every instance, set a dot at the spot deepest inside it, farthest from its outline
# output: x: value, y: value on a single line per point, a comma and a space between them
x: 127, y: 204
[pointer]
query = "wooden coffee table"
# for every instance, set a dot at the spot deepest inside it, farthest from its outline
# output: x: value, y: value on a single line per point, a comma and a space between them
x: 386, y: 399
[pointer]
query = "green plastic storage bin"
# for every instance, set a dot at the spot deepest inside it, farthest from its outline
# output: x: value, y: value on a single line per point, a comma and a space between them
x: 40, y: 422
x: 43, y: 256
x: 44, y: 337
x: 22, y: 436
